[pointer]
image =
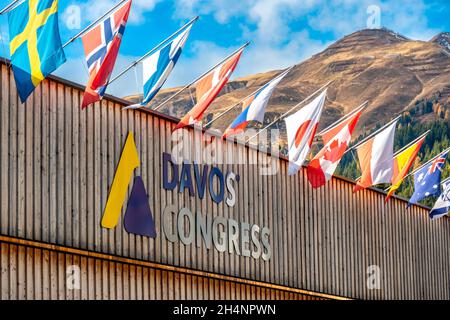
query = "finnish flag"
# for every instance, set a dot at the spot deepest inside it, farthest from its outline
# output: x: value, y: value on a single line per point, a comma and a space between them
x: 442, y: 205
x: 158, y: 66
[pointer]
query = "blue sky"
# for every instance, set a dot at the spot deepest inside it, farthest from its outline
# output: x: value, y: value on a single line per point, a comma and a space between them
x: 282, y: 32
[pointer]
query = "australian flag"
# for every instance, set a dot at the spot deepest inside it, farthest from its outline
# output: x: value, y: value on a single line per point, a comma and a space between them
x: 427, y: 181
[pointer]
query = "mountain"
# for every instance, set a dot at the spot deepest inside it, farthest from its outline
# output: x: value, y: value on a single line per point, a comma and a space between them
x: 394, y: 73
x: 442, y: 39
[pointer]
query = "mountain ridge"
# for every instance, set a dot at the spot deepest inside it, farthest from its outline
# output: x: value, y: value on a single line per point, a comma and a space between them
x: 385, y: 68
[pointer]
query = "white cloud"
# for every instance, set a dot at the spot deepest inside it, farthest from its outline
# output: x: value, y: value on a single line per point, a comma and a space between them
x: 341, y: 17
x: 270, y: 25
x: 221, y: 10
x: 91, y: 12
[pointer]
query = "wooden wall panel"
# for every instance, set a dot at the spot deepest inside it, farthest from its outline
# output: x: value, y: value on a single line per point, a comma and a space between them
x: 35, y: 273
x: 58, y: 163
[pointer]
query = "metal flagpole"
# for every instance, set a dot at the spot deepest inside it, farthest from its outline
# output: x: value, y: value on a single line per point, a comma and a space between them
x: 229, y: 109
x: 198, y: 78
x: 82, y: 32
x: 290, y: 110
x: 235, y: 105
x: 422, y: 166
x: 348, y: 115
x: 372, y: 135
x: 154, y: 49
x: 411, y: 143
x: 9, y: 6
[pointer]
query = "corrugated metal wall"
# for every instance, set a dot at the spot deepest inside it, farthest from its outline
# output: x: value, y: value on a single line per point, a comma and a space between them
x: 58, y: 162
x: 34, y: 273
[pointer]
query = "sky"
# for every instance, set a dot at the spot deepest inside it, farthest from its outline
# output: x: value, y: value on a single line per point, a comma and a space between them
x: 282, y: 32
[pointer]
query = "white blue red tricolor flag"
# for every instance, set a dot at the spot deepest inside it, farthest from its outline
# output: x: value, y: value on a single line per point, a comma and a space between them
x: 254, y: 106
x: 159, y: 65
x: 442, y: 205
x: 101, y: 47
x: 427, y: 181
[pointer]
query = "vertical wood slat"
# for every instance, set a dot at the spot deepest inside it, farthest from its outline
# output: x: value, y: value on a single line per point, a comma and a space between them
x: 60, y: 162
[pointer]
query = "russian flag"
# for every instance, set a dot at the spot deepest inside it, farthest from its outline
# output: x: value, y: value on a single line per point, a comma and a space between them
x: 254, y: 107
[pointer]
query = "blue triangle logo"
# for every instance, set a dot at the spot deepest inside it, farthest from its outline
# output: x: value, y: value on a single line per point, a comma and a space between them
x: 138, y: 217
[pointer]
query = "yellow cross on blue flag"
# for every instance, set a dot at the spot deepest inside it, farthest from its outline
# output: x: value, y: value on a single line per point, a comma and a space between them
x: 35, y: 47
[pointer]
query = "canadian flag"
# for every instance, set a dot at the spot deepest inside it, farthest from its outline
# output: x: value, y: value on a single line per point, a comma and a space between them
x: 322, y: 167
x: 301, y: 128
x: 207, y: 89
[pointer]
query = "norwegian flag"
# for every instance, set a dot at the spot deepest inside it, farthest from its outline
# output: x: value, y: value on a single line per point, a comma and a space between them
x: 101, y: 47
x: 322, y: 167
x: 208, y: 88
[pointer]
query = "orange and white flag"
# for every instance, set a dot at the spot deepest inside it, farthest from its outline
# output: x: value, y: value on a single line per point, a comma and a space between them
x: 207, y: 89
x: 322, y: 166
x: 301, y: 128
x: 376, y: 159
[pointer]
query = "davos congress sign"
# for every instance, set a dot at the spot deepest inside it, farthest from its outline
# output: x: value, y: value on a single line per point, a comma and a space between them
x: 180, y: 223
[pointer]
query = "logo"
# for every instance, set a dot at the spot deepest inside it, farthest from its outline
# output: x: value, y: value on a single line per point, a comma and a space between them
x: 138, y: 217
x: 181, y: 224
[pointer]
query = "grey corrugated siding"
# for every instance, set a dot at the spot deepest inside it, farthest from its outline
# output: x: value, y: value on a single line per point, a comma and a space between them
x: 58, y: 162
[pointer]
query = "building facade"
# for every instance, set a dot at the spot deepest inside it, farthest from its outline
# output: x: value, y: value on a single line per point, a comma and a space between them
x: 227, y: 230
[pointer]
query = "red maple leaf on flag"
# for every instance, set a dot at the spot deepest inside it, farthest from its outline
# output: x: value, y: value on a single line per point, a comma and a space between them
x: 335, y: 150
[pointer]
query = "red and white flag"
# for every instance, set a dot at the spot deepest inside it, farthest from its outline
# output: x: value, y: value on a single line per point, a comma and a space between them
x: 207, y: 89
x: 376, y: 159
x: 301, y: 128
x: 101, y: 46
x: 322, y: 167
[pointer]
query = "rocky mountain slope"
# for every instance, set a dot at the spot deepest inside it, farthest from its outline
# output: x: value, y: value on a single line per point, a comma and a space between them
x: 392, y: 72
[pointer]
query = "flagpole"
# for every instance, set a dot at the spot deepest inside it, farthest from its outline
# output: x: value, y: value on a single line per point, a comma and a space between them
x: 229, y: 109
x: 251, y: 94
x: 411, y: 143
x: 348, y: 115
x: 422, y: 166
x: 198, y: 78
x: 82, y: 32
x: 289, y: 111
x: 154, y: 49
x: 372, y: 135
x: 9, y: 6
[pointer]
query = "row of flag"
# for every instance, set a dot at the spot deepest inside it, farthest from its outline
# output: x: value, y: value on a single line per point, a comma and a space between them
x: 36, y: 51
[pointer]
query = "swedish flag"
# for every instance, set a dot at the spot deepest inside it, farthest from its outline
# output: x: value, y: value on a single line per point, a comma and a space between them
x: 35, y: 47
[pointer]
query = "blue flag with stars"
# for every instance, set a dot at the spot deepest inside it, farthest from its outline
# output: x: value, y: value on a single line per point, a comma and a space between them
x: 35, y: 46
x: 427, y: 181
